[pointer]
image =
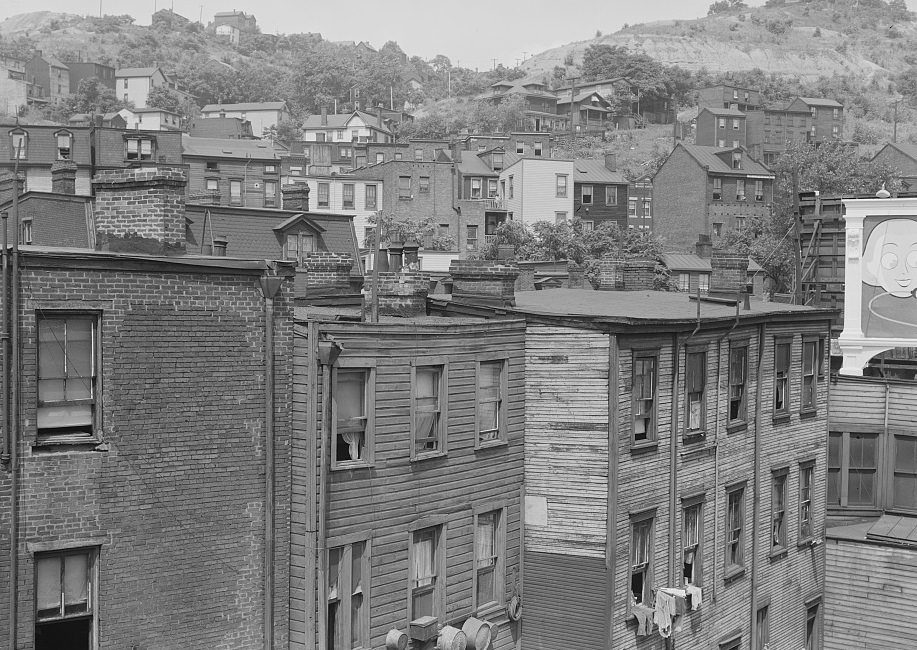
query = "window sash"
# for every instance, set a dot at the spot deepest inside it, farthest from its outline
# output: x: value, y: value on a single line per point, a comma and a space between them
x: 586, y: 195
x: 370, y: 203
x: 347, y: 198
x: 490, y: 416
x: 738, y: 369
x: 611, y: 195
x: 778, y: 512
x: 428, y: 409
x: 488, y: 552
x: 350, y: 416
x: 806, y: 475
x: 641, y: 561
x: 64, y: 585
x: 561, y: 186
x: 424, y: 572
x: 324, y: 192
x: 347, y: 599
x: 695, y: 383
x: 644, y: 398
x: 66, y: 374
x: 809, y: 369
x: 735, y: 529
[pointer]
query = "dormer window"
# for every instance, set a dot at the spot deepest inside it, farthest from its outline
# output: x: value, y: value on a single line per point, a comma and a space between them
x: 19, y: 144
x: 139, y: 149
x: 498, y: 162
x: 737, y: 160
x: 64, y: 141
x: 296, y: 245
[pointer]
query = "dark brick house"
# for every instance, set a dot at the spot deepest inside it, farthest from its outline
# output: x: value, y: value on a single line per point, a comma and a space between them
x: 705, y: 190
x: 233, y: 172
x: 149, y: 457
x: 41, y: 146
x: 903, y: 157
x: 599, y: 192
x: 721, y: 127
x: 729, y: 96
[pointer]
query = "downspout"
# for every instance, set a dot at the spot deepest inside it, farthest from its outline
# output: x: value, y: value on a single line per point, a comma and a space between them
x: 757, y: 470
x: 4, y: 344
x: 14, y: 413
x: 673, y: 464
x: 611, y: 523
x: 269, y: 285
x: 324, y: 459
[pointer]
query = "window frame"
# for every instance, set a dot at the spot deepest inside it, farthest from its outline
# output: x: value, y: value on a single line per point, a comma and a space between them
x: 57, y: 136
x: 652, y: 432
x: 471, y: 237
x: 21, y: 135
x: 687, y: 504
x: 611, y: 195
x: 439, y: 530
x: 583, y: 194
x: 561, y: 186
x: 809, y: 354
x: 92, y: 589
x: 236, y: 199
x: 472, y: 193
x: 894, y: 472
x: 370, y: 204
x: 740, y: 189
x: 647, y: 519
x: 270, y: 198
x: 323, y: 188
x: 700, y: 430
x: 717, y: 188
x: 139, y: 155
x: 442, y: 408
x: 25, y: 232
x: 368, y: 366
x: 844, y: 469
x: 759, y: 190
x: 734, y: 536
x: 55, y: 434
x: 779, y: 513
x: 805, y: 516
x: 346, y: 544
x: 351, y: 189
x: 812, y: 638
x: 783, y: 376
x: 761, y: 640
x: 502, y: 437
x: 423, y: 184
x: 499, y: 568
x: 404, y: 192
x: 418, y: 155
x: 741, y: 417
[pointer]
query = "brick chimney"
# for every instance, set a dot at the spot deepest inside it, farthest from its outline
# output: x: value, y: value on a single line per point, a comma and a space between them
x: 704, y: 247
x: 611, y: 274
x: 400, y: 294
x: 63, y: 177
x: 295, y: 196
x: 575, y: 277
x: 639, y: 274
x: 323, y: 274
x: 611, y: 162
x: 140, y: 210
x: 489, y: 282
x: 729, y: 272
x: 324, y: 116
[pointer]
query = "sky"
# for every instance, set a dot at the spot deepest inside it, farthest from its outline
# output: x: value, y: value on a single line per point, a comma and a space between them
x: 472, y: 33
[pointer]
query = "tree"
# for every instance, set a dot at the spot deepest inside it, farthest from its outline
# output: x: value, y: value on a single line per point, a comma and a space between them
x: 285, y: 132
x: 404, y: 229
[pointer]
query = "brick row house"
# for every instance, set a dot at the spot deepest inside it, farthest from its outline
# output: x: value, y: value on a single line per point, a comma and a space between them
x: 687, y: 468
x: 729, y: 96
x: 233, y: 172
x: 261, y: 115
x: 599, y: 193
x: 49, y: 73
x: 706, y: 190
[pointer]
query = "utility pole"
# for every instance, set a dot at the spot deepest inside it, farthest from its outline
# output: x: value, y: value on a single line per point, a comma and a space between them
x: 572, y: 80
x: 895, y: 128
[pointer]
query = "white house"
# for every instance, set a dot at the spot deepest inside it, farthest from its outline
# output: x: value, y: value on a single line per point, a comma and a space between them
x: 262, y: 115
x: 538, y: 189
x: 150, y: 119
x: 342, y: 194
x: 135, y: 84
x: 348, y: 127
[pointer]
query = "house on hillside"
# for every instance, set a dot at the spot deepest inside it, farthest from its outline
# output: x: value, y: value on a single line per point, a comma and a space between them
x: 729, y: 96
x: 538, y: 189
x: 599, y: 192
x: 43, y: 148
x: 344, y: 194
x: 540, y: 113
x: 358, y: 126
x: 80, y: 70
x: 721, y: 127
x: 232, y: 172
x: 706, y: 190
x: 50, y: 74
x: 262, y: 115
x: 903, y: 157
x: 588, y: 112
x: 134, y: 84
x: 150, y: 119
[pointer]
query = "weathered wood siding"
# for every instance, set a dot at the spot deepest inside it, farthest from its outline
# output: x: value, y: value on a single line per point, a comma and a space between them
x: 566, y: 438
x: 386, y: 499
x: 870, y: 591
x: 564, y: 602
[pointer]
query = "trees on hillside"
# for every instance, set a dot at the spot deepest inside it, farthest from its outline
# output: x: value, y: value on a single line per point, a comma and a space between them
x: 651, y: 78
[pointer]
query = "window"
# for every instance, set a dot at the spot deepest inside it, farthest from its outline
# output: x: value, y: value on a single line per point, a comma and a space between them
x: 717, y: 229
x: 497, y: 162
x: 809, y: 370
x: 235, y: 192
x: 586, y: 194
x: 345, y: 152
x: 641, y: 561
x: 736, y: 159
x: 424, y: 186
x: 692, y: 555
x: 429, y: 413
x: 561, y: 186
x: 695, y: 383
x: 425, y: 569
x: 471, y: 238
x: 759, y: 190
x: 717, y: 189
x: 67, y: 376
x: 588, y: 226
x: 684, y: 281
x: 25, y: 232
x: 611, y: 195
x: 813, y: 641
x: 398, y: 156
x: 722, y: 123
x: 735, y: 529
x: 740, y: 189
x: 778, y: 511
x: 64, y: 141
x: 835, y: 113
x: 735, y: 143
x: 139, y: 149
x: 806, y: 474
x: 488, y: 557
x: 354, y: 135
x: 270, y: 169
x: 65, y: 597
x: 126, y: 97
x: 476, y: 188
x: 125, y: 84
x: 703, y: 281
x: 738, y: 372
x: 380, y: 157
x: 814, y: 112
x: 852, y: 469
x: 520, y: 148
x: 835, y: 131
x: 644, y: 397
x: 404, y: 187
x: 740, y: 222
x: 324, y: 195
x: 762, y: 628
x: 352, y: 400
x: 491, y: 388
x: 904, y: 481
x: 296, y: 245
x: 483, y: 147
x: 631, y: 207
x: 491, y: 188
x: 511, y: 187
x: 370, y: 203
x: 296, y: 171
x: 347, y: 200
x: 270, y: 194
x: 821, y: 358
x: 721, y: 142
x: 735, y: 94
x: 781, y: 377
x: 735, y: 124
x: 537, y: 148
x: 348, y: 572
x: 560, y: 217
x: 339, y: 134
x: 418, y: 155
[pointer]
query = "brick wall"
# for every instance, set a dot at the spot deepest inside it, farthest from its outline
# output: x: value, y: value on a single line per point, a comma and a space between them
x: 483, y: 278
x: 175, y: 496
x: 400, y: 294
x: 110, y: 150
x: 639, y: 275
x: 611, y: 274
x: 324, y: 273
x: 729, y: 271
x: 63, y: 177
x: 680, y: 197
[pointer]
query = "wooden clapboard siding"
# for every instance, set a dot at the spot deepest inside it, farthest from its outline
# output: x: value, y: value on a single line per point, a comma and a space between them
x: 870, y: 591
x: 857, y: 404
x: 386, y: 499
x: 564, y: 602
x: 566, y: 443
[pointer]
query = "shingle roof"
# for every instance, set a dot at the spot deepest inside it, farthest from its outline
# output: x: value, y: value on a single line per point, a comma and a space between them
x: 707, y: 157
x: 820, y: 101
x: 58, y: 220
x: 595, y: 171
x: 473, y: 165
x: 340, y: 121
x: 250, y: 106
x: 723, y: 112
x: 135, y: 72
x: 580, y: 97
x: 227, y: 148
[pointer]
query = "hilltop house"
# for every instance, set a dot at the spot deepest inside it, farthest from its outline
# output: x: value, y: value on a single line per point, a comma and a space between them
x: 262, y: 115
x: 358, y: 126
x: 599, y: 193
x: 134, y: 84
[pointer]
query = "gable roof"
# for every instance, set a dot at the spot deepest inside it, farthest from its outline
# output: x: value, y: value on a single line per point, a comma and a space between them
x: 474, y: 165
x: 723, y: 112
x: 583, y: 96
x: 595, y: 171
x: 909, y: 150
x: 707, y: 157
x: 249, y: 106
x: 228, y: 148
x: 137, y: 72
x: 342, y: 120
x: 820, y: 101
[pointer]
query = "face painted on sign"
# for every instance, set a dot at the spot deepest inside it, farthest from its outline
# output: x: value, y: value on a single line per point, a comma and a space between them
x: 890, y: 257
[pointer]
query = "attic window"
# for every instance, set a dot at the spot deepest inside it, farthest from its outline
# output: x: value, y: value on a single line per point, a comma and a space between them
x: 19, y: 144
x: 64, y: 145
x: 736, y: 159
x: 139, y: 149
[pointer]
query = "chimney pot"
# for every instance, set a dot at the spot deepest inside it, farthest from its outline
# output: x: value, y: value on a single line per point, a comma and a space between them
x: 219, y: 246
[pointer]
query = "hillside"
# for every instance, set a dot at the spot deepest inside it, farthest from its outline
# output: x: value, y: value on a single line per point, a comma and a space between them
x: 864, y: 38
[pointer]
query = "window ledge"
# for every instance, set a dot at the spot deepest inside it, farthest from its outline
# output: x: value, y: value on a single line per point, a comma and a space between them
x: 694, y: 437
x: 68, y: 443
x: 781, y: 418
x: 429, y: 455
x: 350, y: 466
x: 644, y: 447
x: 733, y: 574
x: 487, y: 609
x: 489, y: 444
x: 735, y: 427
x: 778, y: 554
x: 806, y: 542
x: 807, y: 414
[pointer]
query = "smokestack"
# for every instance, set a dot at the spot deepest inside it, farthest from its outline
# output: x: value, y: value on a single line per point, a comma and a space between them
x: 219, y: 246
x: 324, y: 116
